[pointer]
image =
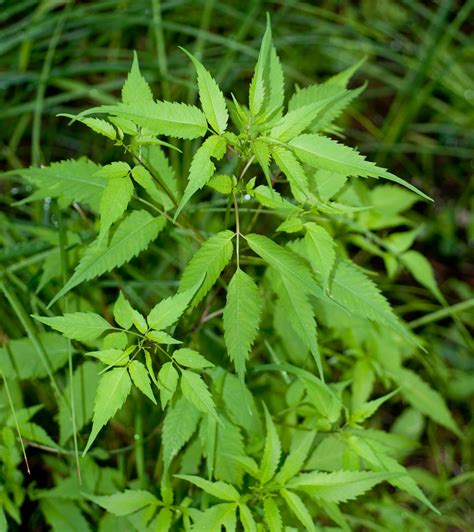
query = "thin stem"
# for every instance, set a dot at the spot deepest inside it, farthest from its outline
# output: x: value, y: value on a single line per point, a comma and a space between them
x: 64, y: 271
x: 237, y: 229
x: 10, y: 402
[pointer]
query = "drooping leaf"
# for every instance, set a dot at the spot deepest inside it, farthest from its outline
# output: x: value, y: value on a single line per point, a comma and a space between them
x: 196, y: 391
x: 136, y: 88
x: 96, y: 124
x: 132, y: 236
x: 271, y: 451
x: 241, y: 318
x: 180, y: 423
x: 325, y: 153
x: 81, y: 326
x: 63, y: 515
x: 221, y: 490
x: 113, y: 390
x: 208, y: 261
x: 212, y: 99
x: 141, y: 379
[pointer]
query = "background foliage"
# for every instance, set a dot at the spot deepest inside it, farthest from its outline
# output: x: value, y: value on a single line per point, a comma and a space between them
x: 415, y: 117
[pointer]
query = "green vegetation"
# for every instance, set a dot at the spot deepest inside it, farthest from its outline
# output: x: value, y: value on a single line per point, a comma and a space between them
x: 216, y: 312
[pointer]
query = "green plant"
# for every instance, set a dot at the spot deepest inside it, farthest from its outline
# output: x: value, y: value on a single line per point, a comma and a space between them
x: 264, y: 298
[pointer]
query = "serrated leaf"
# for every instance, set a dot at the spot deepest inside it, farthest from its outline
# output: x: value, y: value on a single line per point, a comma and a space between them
x: 241, y: 318
x: 160, y: 118
x: 247, y: 519
x: 428, y: 401
x: 421, y: 269
x: 161, y: 337
x: 299, y: 119
x: 168, y: 311
x: 221, y: 490
x: 272, y: 515
x: 196, y: 391
x: 360, y: 296
x: 115, y: 199
x: 180, y: 423
x: 328, y: 184
x: 323, y: 152
x: 321, y: 250
x: 201, y: 169
x: 366, y: 410
x: 126, y: 502
x: 208, y: 261
x: 167, y: 383
x: 273, y: 200
x: 293, y: 171
x: 110, y: 357
x: 297, y: 506
x: 132, y: 236
x: 296, y: 306
x: 113, y: 390
x: 68, y: 180
x: 141, y: 379
x: 374, y: 454
x: 114, y: 170
x: 191, y: 359
x: 295, y: 460
x: 216, y: 517
x: 212, y: 100
x: 266, y: 88
x: 261, y: 152
x: 123, y: 312
x: 96, y: 124
x: 287, y: 263
x: 136, y: 88
x: 228, y: 441
x: 81, y: 326
x: 340, y: 486
x: 271, y: 451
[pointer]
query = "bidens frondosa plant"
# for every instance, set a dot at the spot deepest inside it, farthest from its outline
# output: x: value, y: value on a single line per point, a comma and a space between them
x: 270, y: 349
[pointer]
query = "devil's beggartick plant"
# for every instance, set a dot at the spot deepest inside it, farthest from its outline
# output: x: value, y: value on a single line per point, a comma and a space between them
x: 259, y: 362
